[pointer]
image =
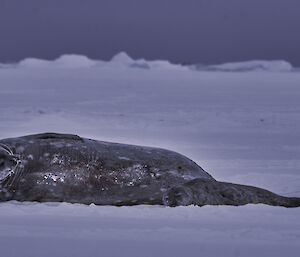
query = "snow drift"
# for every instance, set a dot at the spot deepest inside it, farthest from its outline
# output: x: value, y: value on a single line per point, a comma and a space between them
x: 64, y: 61
x: 123, y: 60
x: 254, y: 65
x: 69, y: 61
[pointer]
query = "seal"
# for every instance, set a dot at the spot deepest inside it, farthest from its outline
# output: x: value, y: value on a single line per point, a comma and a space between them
x: 53, y: 167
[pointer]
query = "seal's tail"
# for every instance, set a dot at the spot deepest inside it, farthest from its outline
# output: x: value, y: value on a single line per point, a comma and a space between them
x: 249, y: 194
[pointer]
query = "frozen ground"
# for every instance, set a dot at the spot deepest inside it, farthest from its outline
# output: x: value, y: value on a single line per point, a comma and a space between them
x: 241, y: 127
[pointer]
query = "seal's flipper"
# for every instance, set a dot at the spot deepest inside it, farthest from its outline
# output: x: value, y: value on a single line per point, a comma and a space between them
x: 218, y: 193
x: 250, y: 194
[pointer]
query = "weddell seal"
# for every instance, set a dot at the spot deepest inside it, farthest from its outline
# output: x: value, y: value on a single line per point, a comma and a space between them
x: 54, y: 167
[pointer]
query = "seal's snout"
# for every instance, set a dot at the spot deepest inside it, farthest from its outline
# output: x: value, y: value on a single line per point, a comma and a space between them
x: 178, y: 196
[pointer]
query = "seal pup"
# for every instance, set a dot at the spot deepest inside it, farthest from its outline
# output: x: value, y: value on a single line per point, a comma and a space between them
x: 54, y: 167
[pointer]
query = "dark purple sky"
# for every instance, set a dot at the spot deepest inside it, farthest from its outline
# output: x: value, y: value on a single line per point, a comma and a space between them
x: 189, y: 31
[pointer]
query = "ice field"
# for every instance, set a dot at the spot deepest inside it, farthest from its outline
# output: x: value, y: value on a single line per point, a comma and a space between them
x: 240, y: 122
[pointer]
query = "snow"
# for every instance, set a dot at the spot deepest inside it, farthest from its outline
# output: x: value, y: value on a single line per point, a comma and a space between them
x: 241, y: 127
x: 123, y: 58
x: 74, y: 61
x: 254, y: 65
x: 60, y: 229
x: 71, y: 61
x: 64, y: 61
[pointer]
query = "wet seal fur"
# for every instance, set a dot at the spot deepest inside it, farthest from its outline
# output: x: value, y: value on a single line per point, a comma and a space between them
x: 54, y: 167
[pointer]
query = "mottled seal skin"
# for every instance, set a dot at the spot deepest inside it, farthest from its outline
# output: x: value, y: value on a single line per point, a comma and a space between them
x: 54, y: 167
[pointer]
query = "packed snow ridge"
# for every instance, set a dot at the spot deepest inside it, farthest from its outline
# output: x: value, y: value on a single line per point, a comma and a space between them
x: 123, y: 60
x: 254, y: 65
x: 120, y: 60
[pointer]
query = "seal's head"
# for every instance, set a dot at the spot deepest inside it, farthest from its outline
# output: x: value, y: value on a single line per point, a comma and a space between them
x: 8, y: 162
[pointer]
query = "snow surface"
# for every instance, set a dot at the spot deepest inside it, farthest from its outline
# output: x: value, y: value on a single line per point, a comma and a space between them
x: 241, y: 127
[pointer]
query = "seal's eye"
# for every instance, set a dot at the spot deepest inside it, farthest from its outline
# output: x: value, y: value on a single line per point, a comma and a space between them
x: 2, y: 163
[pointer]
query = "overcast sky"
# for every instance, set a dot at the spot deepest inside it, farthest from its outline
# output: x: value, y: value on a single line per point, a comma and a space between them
x: 186, y: 31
